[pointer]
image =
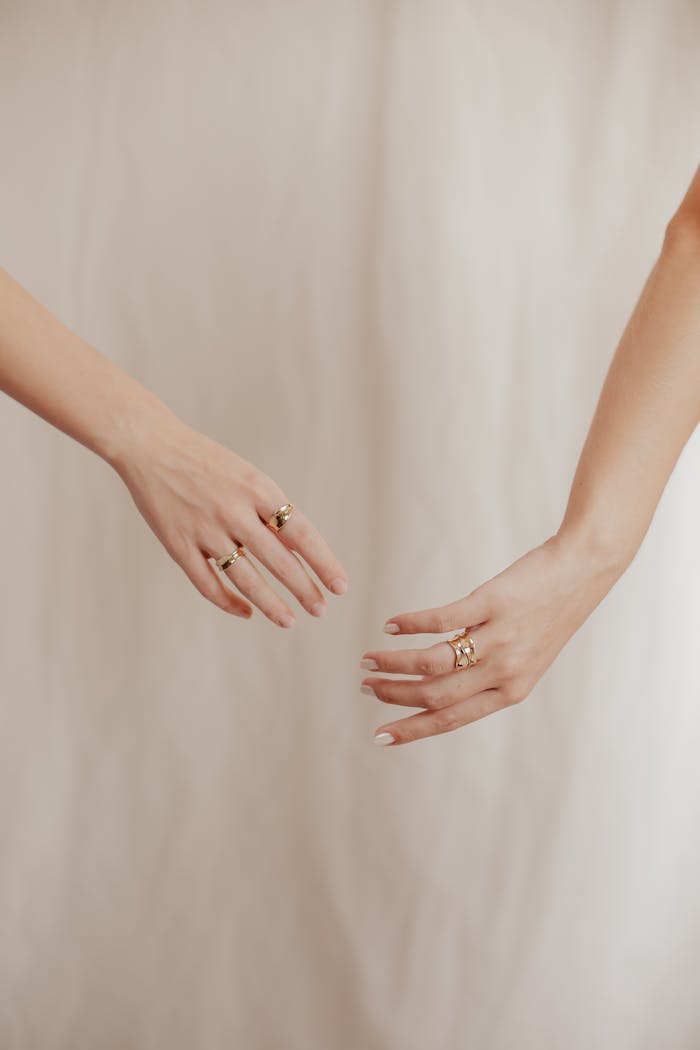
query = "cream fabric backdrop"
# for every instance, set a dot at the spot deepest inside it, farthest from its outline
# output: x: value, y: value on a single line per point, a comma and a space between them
x: 384, y: 250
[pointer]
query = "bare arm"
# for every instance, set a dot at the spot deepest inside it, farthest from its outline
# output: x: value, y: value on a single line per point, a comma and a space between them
x: 522, y: 618
x: 650, y: 401
x: 200, y: 499
x: 61, y: 378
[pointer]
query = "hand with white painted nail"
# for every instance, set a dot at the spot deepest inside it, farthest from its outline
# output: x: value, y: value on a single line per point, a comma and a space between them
x: 519, y: 621
x: 648, y: 407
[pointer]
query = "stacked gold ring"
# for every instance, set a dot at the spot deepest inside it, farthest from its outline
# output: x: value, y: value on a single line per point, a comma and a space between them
x: 229, y: 559
x: 280, y: 518
x: 464, y: 649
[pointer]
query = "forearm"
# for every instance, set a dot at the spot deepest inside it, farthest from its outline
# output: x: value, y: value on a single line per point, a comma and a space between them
x: 199, y: 498
x: 67, y: 382
x: 648, y: 407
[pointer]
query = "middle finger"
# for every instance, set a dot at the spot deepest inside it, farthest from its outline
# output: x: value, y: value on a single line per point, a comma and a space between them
x: 431, y: 660
x: 282, y: 563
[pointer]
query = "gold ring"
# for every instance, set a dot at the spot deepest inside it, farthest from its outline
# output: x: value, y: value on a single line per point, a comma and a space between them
x: 464, y: 649
x: 280, y: 518
x: 228, y: 559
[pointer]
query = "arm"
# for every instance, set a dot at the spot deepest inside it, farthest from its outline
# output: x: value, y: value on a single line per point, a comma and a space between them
x: 649, y: 404
x: 199, y: 498
x: 522, y: 618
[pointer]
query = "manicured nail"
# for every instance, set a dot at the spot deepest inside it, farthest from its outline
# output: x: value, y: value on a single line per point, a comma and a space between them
x: 367, y: 689
x: 391, y: 628
x: 339, y: 585
x: 383, y: 739
x: 286, y: 620
x: 318, y: 609
x: 369, y: 665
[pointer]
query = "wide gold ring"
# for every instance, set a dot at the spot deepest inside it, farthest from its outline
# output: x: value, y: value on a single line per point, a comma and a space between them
x: 280, y: 518
x: 464, y: 649
x: 228, y: 559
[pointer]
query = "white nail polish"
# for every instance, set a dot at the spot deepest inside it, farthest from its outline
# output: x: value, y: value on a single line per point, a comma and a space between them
x: 367, y: 689
x: 383, y: 739
x: 369, y: 665
x: 391, y: 628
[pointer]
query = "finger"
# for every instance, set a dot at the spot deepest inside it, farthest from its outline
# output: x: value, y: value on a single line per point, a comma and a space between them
x: 432, y: 723
x: 431, y: 693
x: 433, y: 660
x: 456, y: 616
x: 250, y: 582
x: 301, y: 536
x: 283, y: 564
x: 207, y: 582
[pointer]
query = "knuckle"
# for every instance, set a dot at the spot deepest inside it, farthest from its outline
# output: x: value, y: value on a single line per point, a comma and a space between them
x: 268, y: 491
x: 283, y: 569
x: 428, y: 665
x: 496, y: 604
x: 508, y: 665
x: 427, y: 696
x: 514, y: 692
x: 222, y: 511
x: 445, y: 719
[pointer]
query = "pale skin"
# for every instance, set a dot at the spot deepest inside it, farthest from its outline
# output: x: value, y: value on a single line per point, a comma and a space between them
x: 199, y: 498
x: 523, y: 617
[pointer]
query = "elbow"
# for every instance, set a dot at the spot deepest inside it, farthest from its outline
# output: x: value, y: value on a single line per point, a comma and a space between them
x: 682, y: 235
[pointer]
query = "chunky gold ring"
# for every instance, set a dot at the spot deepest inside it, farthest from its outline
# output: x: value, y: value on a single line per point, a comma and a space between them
x: 280, y: 518
x: 228, y: 559
x: 465, y: 650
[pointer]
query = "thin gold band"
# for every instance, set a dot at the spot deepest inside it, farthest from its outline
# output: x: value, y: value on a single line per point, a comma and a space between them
x: 228, y: 559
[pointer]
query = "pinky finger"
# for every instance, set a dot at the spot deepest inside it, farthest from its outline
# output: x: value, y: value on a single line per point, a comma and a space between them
x: 443, y: 720
x: 207, y: 581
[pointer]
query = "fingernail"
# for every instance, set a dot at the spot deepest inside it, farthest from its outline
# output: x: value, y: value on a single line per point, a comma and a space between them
x: 318, y: 609
x: 286, y: 620
x: 383, y: 739
x: 339, y: 585
x: 391, y: 628
x: 369, y: 665
x: 367, y: 689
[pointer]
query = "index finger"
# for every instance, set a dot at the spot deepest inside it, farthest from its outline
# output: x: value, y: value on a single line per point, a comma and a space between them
x: 466, y: 612
x: 304, y: 538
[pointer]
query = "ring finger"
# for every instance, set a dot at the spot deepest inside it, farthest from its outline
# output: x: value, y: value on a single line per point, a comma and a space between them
x: 285, y: 565
x: 250, y: 582
x: 431, y: 693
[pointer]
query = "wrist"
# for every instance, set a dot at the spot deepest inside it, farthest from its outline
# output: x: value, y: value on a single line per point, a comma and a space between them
x: 594, y: 547
x: 132, y: 428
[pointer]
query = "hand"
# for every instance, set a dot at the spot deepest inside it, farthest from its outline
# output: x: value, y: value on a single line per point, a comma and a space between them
x: 202, y: 500
x: 519, y: 620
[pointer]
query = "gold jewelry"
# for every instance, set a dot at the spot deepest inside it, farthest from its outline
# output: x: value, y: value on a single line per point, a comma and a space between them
x: 465, y: 650
x: 229, y: 559
x: 280, y: 518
